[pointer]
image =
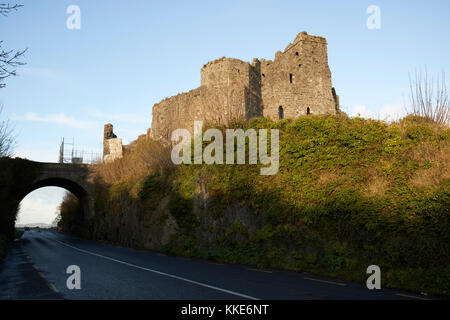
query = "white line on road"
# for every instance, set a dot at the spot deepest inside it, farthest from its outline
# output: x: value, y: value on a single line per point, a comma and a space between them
x: 158, y: 272
x: 325, y: 281
x: 52, y: 287
x: 409, y: 296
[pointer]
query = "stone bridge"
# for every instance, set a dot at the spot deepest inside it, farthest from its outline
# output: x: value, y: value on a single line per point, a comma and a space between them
x: 72, y: 177
x: 19, y: 177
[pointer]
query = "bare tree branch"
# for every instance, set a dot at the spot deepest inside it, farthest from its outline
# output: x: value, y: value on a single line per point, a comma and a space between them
x: 429, y: 97
x: 6, y: 8
x: 9, y: 59
x: 7, y: 139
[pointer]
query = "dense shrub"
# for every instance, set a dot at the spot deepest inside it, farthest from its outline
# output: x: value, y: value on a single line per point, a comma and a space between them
x: 71, y: 215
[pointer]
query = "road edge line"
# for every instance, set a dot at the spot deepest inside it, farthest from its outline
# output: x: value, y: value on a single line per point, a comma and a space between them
x: 158, y: 272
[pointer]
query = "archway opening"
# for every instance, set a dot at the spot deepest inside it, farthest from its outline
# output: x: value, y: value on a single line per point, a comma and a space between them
x: 308, y: 111
x: 40, y: 207
x: 53, y: 202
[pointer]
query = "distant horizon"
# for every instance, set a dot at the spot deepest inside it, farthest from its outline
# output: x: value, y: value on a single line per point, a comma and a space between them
x: 19, y: 225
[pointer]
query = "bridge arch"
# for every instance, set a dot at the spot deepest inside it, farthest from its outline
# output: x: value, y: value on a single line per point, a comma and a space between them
x: 68, y: 184
x: 72, y: 177
x: 75, y: 187
x: 75, y: 178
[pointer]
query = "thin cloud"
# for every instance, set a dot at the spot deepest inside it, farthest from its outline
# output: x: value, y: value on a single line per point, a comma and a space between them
x: 57, y: 118
x: 393, y: 112
x: 389, y: 112
x: 40, y: 206
x: 360, y: 110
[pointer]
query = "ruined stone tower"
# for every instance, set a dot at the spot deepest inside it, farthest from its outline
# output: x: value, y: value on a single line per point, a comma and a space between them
x: 112, y: 146
x: 297, y: 82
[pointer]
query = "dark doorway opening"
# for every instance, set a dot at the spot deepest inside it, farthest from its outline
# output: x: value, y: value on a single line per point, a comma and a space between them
x: 280, y: 113
x: 308, y: 111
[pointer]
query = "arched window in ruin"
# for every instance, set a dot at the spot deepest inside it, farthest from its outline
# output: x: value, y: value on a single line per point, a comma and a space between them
x: 280, y: 113
x: 290, y: 77
x: 296, y: 54
x: 308, y: 111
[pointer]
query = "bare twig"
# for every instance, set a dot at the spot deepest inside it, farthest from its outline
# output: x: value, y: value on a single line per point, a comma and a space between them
x: 429, y: 97
x: 9, y: 59
x: 6, y: 8
x: 7, y: 139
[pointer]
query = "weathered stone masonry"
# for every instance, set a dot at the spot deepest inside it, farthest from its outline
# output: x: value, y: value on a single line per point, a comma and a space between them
x: 112, y: 146
x: 297, y: 82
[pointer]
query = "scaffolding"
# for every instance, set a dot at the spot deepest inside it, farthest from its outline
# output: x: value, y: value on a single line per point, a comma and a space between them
x: 68, y: 154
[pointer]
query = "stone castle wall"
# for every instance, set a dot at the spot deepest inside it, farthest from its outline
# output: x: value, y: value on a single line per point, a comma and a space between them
x: 212, y: 105
x: 296, y: 83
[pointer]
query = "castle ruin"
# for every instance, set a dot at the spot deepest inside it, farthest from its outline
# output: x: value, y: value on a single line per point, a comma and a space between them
x: 112, y: 146
x: 297, y: 82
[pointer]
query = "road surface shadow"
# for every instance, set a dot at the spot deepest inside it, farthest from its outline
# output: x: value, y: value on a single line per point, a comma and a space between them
x: 19, y: 280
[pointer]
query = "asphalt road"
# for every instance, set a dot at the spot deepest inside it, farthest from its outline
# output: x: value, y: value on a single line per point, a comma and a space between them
x: 37, y: 264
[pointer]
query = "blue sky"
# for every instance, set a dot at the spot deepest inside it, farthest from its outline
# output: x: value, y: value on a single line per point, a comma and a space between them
x: 129, y: 55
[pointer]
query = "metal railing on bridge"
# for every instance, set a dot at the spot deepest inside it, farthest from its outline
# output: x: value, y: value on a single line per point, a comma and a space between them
x: 68, y: 154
